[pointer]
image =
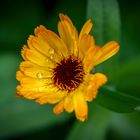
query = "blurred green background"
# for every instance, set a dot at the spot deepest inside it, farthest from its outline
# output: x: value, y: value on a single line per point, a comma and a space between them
x: 115, y: 114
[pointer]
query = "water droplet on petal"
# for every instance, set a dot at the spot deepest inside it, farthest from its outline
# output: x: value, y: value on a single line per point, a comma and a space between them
x: 51, y: 56
x: 137, y: 108
x: 51, y: 51
x: 39, y: 89
x: 47, y: 60
x: 39, y: 75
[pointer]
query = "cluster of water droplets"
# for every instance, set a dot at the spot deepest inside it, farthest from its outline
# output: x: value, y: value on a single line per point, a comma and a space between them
x: 51, y: 56
x: 51, y: 53
x: 39, y: 75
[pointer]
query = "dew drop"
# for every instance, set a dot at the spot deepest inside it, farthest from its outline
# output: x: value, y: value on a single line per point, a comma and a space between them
x: 39, y: 75
x: 47, y: 60
x: 51, y: 51
x: 137, y: 108
x: 51, y: 56
x: 39, y: 89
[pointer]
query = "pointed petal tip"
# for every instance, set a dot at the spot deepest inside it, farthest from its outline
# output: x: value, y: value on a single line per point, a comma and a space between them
x: 80, y: 107
x: 107, y: 51
x: 39, y: 29
x: 86, y: 28
x: 82, y: 118
x: 19, y: 96
x: 62, y: 16
x: 113, y: 44
x: 89, y: 21
x: 59, y: 108
x: 111, y: 47
x: 101, y: 79
x: 19, y: 75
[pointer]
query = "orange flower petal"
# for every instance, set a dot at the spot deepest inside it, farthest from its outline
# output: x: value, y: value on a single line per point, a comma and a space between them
x: 43, y: 47
x: 91, y: 56
x: 43, y: 78
x: 80, y: 106
x: 65, y: 17
x: 58, y: 108
x: 69, y: 34
x: 19, y: 75
x: 100, y: 79
x: 35, y: 84
x: 68, y: 104
x: 86, y: 28
x: 37, y: 58
x: 85, y: 43
x: 29, y: 93
x: 96, y: 55
x: 39, y: 89
x: 52, y: 40
x: 51, y: 98
x: 23, y: 52
x: 96, y: 81
x: 108, y: 50
x: 35, y: 71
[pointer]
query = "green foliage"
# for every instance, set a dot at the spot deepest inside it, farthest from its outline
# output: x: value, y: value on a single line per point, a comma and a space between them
x: 117, y: 101
x: 94, y: 128
x: 106, y: 20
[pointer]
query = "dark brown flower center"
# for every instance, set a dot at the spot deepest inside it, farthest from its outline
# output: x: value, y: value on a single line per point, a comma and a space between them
x: 68, y: 74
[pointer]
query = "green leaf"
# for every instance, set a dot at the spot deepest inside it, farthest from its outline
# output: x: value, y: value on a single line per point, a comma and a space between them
x: 106, y: 19
x: 20, y: 115
x: 94, y: 128
x: 130, y: 32
x: 129, y: 77
x: 126, y: 126
x: 117, y: 101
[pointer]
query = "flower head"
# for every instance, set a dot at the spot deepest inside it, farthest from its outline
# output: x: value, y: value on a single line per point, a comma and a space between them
x: 56, y: 69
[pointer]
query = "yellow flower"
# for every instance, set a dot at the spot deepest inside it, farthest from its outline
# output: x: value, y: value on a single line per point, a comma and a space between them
x: 57, y: 69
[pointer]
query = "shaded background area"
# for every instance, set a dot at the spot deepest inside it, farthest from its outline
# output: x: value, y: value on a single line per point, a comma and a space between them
x: 24, y: 119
